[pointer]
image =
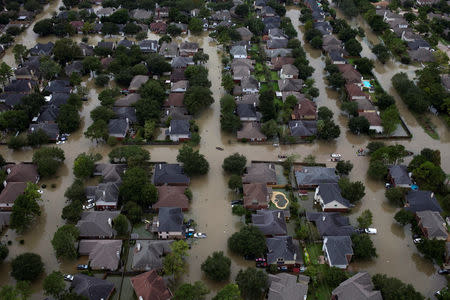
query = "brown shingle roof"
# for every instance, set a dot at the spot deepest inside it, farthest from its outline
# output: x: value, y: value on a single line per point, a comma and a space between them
x: 172, y: 196
x: 260, y: 172
x: 22, y: 173
x: 304, y: 109
x: 12, y: 191
x: 278, y: 62
x: 256, y: 195
x: 349, y: 73
x: 353, y: 90
x: 150, y: 286
x: 174, y: 99
x: 250, y: 130
x: 373, y: 118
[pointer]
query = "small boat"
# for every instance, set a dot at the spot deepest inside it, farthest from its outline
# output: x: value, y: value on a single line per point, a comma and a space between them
x: 335, y: 155
x: 282, y: 156
x: 219, y: 148
x: 361, y: 152
x: 199, y: 235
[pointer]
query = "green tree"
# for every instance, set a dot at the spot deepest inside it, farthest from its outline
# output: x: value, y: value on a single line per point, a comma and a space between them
x: 76, y: 191
x: 120, y: 16
x: 195, y: 26
x: 404, y: 217
x: 64, y: 241
x: 20, y: 52
x: 324, y: 113
x: 132, y: 155
x: 91, y: 63
x: 377, y: 170
x: 200, y: 57
x: 197, y: 76
x: 84, y: 165
x: 68, y: 118
x: 270, y: 128
x: 229, y: 292
x: 359, y: 125
x: 350, y: 107
x: 157, y: 64
x: 433, y: 250
x: 363, y: 247
x: 49, y: 68
x: 72, y: 211
x: 384, y: 100
x: 174, y: 262
x: 382, y: 53
x: 227, y: 82
x: 429, y: 176
x: 327, y: 130
x: 395, y: 195
x: 394, y: 289
x: 5, y: 73
x: 234, y: 164
x: 364, y: 65
x: 353, y: 191
x: 66, y: 50
x: 54, y: 284
x: 187, y: 291
x: 267, y: 104
x: 102, y: 113
x: 335, y: 80
x: 48, y: 160
x: 316, y: 42
x: 149, y: 129
x: 365, y: 219
x: 43, y: 27
x: 252, y: 283
x: 193, y: 162
x: 353, y: 47
x: 120, y: 224
x: 217, y: 266
x: 198, y: 98
x: 37, y: 138
x: 344, y: 167
x: 27, y: 266
x: 22, y: 291
x: 97, y: 131
x: 242, y: 10
x: 248, y: 241
x: 14, y: 120
x: 136, y: 187
x: 390, y: 119
x: 4, y: 251
x: 133, y: 212
x: 235, y: 182
x: 25, y: 209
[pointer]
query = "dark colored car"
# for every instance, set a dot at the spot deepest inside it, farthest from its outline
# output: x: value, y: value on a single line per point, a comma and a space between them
x: 237, y: 202
x: 82, y: 267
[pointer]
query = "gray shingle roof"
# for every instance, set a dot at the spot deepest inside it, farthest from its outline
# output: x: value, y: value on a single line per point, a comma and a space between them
x: 125, y: 113
x: 150, y: 255
x: 422, y: 200
x: 303, y: 128
x: 434, y: 223
x: 277, y: 43
x: 316, y: 175
x: 179, y: 127
x: 331, y: 192
x: 246, y: 111
x: 50, y: 129
x: 283, y: 247
x: 103, y: 254
x: 96, y: 223
x: 91, y: 287
x: 338, y: 247
x: 238, y: 51
x: 331, y: 223
x: 270, y: 222
x: 260, y: 172
x: 290, y: 85
x: 118, y: 127
x: 284, y: 286
x: 357, y: 287
x: 169, y: 174
x: 400, y: 174
x: 170, y: 219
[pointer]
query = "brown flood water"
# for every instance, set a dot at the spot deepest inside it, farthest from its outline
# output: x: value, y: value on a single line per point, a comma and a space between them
x: 210, y: 206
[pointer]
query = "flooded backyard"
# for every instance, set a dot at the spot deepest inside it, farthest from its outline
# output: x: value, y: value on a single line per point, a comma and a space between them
x: 211, y: 209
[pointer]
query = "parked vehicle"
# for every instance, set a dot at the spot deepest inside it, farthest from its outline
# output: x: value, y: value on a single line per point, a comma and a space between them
x: 82, y: 267
x: 283, y: 269
x: 236, y: 202
x: 335, y: 155
x: 68, y: 277
x: 219, y: 148
x: 199, y: 235
x: 443, y: 271
x: 370, y: 230
x: 88, y: 206
x: 417, y: 241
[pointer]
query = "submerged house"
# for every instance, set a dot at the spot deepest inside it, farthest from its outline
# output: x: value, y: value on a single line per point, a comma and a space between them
x: 338, y: 251
x: 270, y: 222
x: 330, y: 199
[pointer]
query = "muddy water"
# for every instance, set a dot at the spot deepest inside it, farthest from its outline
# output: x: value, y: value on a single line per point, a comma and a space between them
x: 210, y: 206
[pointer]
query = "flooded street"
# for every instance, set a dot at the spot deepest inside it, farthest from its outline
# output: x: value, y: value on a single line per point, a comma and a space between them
x: 210, y: 207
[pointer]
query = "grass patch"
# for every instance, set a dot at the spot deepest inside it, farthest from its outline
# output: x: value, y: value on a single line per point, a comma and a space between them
x: 274, y: 75
x: 259, y: 67
x: 427, y: 126
x: 314, y: 251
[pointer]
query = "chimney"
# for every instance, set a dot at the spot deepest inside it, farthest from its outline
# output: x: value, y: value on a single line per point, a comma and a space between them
x: 110, y: 222
x: 138, y: 247
x: 295, y: 256
x: 104, y: 193
x: 279, y: 215
x: 160, y: 166
x: 432, y: 195
x: 323, y: 218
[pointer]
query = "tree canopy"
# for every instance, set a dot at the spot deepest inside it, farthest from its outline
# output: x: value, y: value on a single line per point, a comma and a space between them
x: 252, y: 283
x: 54, y: 284
x: 198, y: 98
x: 394, y: 289
x: 174, y: 262
x: 363, y: 247
x: 187, y: 291
x: 27, y: 266
x: 136, y: 187
x: 217, y: 266
x: 132, y: 155
x: 48, y: 160
x: 64, y: 240
x: 193, y: 162
x: 353, y: 191
x: 234, y: 164
x: 249, y: 241
x: 26, y: 208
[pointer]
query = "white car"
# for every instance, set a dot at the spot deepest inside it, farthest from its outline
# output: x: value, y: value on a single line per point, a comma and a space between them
x: 89, y: 206
x: 370, y: 230
x: 335, y: 155
x: 68, y: 277
x: 417, y: 241
x: 199, y: 235
x: 40, y: 191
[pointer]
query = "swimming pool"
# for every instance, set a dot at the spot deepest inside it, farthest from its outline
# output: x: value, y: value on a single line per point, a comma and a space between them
x: 367, y: 84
